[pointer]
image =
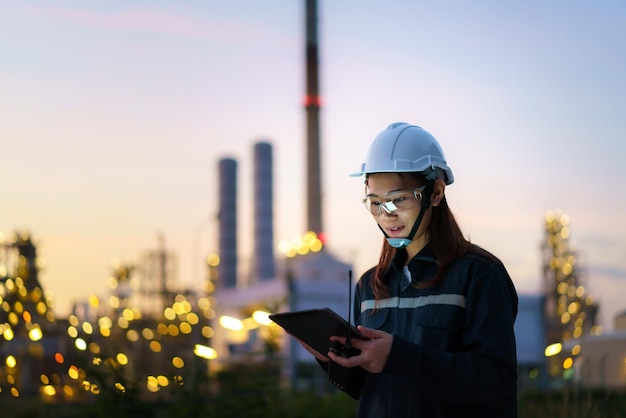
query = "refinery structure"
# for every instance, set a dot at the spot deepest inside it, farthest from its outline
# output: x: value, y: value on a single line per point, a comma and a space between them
x: 149, y: 334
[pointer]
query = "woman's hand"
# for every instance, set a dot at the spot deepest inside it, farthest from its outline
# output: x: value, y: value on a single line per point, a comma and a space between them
x: 374, y: 350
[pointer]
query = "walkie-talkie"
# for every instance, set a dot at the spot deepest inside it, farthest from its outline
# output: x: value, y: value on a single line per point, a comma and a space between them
x: 346, y: 350
x: 348, y: 379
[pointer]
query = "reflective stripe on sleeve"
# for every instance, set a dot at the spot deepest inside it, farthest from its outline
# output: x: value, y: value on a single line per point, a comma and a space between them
x: 408, y: 303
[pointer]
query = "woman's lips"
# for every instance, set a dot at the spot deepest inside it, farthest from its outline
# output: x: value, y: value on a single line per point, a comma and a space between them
x: 394, y: 230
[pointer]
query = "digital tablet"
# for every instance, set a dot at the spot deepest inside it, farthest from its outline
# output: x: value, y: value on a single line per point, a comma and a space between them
x: 315, y: 327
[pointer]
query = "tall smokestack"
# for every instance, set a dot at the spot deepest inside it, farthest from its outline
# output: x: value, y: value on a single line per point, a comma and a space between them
x: 312, y: 106
x: 263, y: 212
x: 228, y: 223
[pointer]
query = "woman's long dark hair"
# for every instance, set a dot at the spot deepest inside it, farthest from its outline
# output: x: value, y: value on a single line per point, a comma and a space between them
x: 445, y: 239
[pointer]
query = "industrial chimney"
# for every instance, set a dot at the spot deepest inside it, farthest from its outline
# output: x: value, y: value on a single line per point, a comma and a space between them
x: 312, y: 105
x: 227, y: 216
x: 263, y: 213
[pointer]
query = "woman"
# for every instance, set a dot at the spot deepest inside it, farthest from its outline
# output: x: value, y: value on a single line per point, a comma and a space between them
x: 438, y: 311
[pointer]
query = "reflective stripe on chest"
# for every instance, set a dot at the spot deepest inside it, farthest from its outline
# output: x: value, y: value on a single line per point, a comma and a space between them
x: 415, y: 302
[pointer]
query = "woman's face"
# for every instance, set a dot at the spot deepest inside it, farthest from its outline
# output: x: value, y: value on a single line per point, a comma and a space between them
x: 397, y: 218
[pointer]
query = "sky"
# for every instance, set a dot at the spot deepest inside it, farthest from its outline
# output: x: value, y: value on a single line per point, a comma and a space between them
x: 114, y: 116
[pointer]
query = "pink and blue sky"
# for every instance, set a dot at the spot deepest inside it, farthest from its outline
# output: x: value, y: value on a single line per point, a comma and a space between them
x: 114, y: 115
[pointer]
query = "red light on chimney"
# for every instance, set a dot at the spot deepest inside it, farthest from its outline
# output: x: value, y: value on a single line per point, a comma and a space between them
x: 312, y: 101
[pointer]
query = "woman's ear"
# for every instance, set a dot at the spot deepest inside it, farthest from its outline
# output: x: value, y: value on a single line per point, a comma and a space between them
x: 438, y: 192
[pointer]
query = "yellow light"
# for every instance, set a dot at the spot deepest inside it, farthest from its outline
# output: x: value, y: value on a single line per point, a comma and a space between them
x: 94, y: 301
x: 213, y: 260
x: 122, y: 359
x: 155, y: 346
x: 178, y: 362
x: 48, y: 390
x: 41, y: 307
x: 132, y: 335
x: 185, y: 328
x: 207, y: 332
x: 163, y: 381
x: 173, y: 330
x: 128, y: 314
x: 8, y: 334
x: 204, y: 303
x: 94, y: 348
x: 209, y: 313
x: 112, y: 281
x: 261, y: 317
x: 567, y: 363
x: 309, y: 237
x: 114, y: 301
x: 73, y: 320
x: 11, y: 361
x: 192, y: 318
x: 567, y: 269
x: 72, y: 332
x: 147, y: 333
x: 553, y: 349
x: 204, y: 351
x: 178, y: 308
x: 87, y: 328
x: 169, y: 314
x: 105, y: 321
x: 72, y: 372
x: 231, y: 323
x: 162, y: 329
x: 576, y: 350
x: 152, y: 384
x: 302, y: 248
x: 316, y: 246
x: 120, y: 387
x: 35, y: 334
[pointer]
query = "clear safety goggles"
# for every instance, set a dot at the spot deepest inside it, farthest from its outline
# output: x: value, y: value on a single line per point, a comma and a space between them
x: 393, y: 202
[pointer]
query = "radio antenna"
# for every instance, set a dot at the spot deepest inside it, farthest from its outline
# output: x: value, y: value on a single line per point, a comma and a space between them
x: 348, y: 336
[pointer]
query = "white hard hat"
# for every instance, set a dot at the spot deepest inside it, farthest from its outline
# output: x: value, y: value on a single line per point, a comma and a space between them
x: 404, y: 148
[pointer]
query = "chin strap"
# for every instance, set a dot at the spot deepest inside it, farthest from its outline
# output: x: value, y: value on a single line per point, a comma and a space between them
x: 404, y: 242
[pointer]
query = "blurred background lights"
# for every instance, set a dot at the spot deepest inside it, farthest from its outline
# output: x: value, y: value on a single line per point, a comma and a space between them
x: 204, y: 351
x: 231, y: 323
